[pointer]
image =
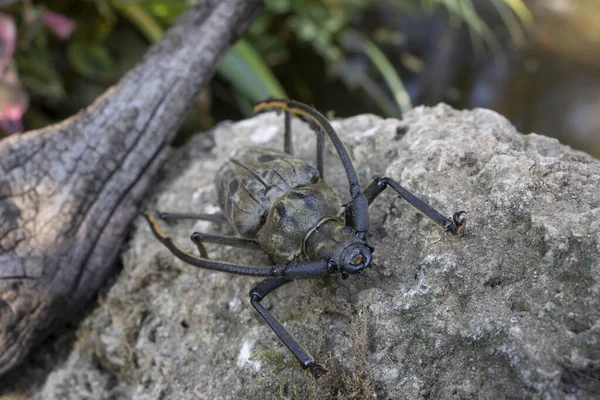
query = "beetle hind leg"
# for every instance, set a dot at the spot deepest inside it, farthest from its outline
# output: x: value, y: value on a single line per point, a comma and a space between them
x: 198, y: 238
x: 203, y: 262
x: 288, y: 144
x: 204, y: 217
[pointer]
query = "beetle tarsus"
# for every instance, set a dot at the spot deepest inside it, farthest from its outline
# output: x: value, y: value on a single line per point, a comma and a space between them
x: 317, y: 370
x: 459, y: 221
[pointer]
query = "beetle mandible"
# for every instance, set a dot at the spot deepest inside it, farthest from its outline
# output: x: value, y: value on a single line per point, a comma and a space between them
x: 281, y: 205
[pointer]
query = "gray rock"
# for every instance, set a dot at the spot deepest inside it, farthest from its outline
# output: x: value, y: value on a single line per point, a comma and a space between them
x: 511, y: 309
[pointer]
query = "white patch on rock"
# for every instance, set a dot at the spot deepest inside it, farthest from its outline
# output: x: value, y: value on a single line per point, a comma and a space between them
x: 205, y: 226
x: 368, y: 133
x: 415, y: 144
x: 234, y: 304
x: 202, y: 189
x: 248, y: 123
x: 244, y: 356
x: 420, y: 288
x: 263, y: 135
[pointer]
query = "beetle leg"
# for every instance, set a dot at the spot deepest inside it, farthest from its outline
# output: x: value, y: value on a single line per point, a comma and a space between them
x: 258, y: 293
x: 455, y: 224
x: 203, y: 262
x: 302, y: 270
x: 205, y: 217
x: 320, y: 151
x: 198, y: 238
x: 288, y: 144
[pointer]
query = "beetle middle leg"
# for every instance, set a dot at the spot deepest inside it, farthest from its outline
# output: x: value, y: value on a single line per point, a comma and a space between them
x: 257, y: 294
x: 455, y: 224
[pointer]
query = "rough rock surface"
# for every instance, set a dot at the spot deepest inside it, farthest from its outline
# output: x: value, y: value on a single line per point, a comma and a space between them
x: 511, y: 309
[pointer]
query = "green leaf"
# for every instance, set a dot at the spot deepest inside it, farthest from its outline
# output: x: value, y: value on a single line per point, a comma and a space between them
x: 38, y: 74
x: 165, y: 11
x: 387, y: 71
x: 516, y: 17
x: 141, y: 18
x: 278, y: 6
x: 246, y: 71
x: 91, y: 59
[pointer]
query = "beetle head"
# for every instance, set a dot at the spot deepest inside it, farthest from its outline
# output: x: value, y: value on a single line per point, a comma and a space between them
x: 354, y: 258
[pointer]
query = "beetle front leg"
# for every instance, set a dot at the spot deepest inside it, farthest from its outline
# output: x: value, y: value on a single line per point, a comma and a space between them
x: 257, y: 294
x: 455, y: 224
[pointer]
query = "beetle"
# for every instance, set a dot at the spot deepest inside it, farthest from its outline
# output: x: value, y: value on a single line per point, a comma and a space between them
x: 280, y: 204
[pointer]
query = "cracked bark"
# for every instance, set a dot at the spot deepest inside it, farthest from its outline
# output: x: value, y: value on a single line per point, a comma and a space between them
x: 68, y: 192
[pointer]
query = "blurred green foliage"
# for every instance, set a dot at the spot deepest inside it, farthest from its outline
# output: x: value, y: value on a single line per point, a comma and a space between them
x: 63, y: 76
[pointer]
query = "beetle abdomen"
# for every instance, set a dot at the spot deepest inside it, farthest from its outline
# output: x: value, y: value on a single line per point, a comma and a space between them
x: 253, y: 179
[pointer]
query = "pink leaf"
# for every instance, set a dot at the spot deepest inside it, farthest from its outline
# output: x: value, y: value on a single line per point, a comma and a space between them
x: 8, y: 37
x: 59, y: 24
x: 13, y: 101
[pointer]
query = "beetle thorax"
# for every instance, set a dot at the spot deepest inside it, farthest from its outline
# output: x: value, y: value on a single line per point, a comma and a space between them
x: 293, y: 216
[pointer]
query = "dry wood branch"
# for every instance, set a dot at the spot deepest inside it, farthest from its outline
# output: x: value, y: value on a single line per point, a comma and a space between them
x: 69, y: 192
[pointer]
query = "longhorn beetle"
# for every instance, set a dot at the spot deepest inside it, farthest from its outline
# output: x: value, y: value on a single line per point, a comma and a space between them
x: 281, y: 205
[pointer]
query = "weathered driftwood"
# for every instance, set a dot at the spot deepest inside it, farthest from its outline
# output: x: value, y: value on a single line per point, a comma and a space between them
x: 69, y: 192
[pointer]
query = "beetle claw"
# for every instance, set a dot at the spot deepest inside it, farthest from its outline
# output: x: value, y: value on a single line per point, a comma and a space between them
x: 459, y: 221
x: 317, y: 370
